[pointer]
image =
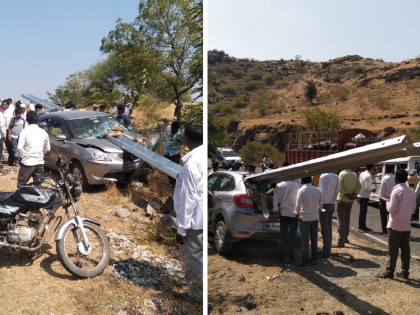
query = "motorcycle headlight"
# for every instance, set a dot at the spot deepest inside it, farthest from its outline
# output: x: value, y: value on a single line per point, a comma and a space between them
x: 100, y: 156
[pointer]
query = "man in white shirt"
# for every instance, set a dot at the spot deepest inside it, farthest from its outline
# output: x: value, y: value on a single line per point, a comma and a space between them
x: 31, y: 106
x: 285, y: 195
x: 308, y: 207
x: 2, y: 133
x: 237, y: 166
x: 33, y: 144
x: 387, y: 184
x: 8, y: 116
x: 365, y: 179
x: 188, y: 204
x: 328, y: 183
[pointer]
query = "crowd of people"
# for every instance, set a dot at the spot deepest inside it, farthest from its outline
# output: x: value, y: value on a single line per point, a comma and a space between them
x: 306, y: 205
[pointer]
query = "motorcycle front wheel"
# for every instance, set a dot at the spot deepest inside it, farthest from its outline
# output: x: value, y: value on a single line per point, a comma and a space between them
x: 76, y: 259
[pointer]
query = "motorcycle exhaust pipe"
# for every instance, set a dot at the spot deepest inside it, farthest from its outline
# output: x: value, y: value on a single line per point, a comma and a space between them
x: 29, y: 249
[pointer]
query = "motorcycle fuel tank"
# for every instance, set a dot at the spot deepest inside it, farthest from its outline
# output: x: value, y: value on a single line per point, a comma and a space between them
x: 38, y: 196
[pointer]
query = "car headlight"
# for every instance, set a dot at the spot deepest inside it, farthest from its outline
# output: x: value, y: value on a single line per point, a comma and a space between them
x: 100, y: 156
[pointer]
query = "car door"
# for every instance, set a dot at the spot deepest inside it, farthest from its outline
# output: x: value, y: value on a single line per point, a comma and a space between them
x: 56, y: 127
x: 212, y: 179
x: 223, y: 192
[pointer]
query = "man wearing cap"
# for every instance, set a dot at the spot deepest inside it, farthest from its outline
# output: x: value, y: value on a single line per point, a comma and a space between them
x: 237, y: 166
x: 23, y: 111
x: 95, y: 107
x: 413, y: 179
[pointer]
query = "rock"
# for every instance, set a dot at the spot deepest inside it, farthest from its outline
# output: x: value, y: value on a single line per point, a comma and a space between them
x: 157, y: 204
x: 388, y: 131
x: 150, y: 212
x: 168, y: 222
x: 250, y: 305
x: 338, y: 313
x: 168, y: 206
x: 139, y: 202
x: 122, y: 213
x: 408, y: 123
x: 302, y: 309
x: 241, y: 309
x: 136, y: 185
x: 242, y: 278
x: 130, y: 207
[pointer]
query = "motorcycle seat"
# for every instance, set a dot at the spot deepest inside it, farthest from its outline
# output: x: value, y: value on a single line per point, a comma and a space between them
x: 5, y: 195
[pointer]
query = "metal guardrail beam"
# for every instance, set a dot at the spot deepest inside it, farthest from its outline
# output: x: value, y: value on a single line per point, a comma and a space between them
x: 37, y: 100
x: 146, y: 155
x: 372, y: 153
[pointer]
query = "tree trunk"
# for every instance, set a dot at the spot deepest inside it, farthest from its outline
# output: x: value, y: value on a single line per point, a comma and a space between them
x: 178, y: 109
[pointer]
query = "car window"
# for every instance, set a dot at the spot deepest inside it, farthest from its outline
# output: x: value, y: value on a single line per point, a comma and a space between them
x: 57, y: 127
x: 401, y: 166
x: 211, y: 180
x: 226, y: 183
x: 95, y: 127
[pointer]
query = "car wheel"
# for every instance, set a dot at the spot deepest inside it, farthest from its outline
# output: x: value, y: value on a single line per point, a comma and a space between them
x: 221, y: 243
x: 79, y: 173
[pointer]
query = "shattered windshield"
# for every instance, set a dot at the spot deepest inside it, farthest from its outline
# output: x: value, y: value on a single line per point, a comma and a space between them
x: 95, y: 127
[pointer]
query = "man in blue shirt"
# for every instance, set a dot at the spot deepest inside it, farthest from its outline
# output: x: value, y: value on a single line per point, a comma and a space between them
x: 172, y: 149
x: 122, y: 117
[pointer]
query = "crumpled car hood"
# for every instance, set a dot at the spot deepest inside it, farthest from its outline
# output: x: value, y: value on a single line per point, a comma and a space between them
x: 100, y: 144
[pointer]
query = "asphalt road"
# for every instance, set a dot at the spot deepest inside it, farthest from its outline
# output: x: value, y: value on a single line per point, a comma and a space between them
x: 373, y: 221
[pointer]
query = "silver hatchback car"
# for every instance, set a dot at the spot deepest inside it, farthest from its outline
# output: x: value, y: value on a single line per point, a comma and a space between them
x: 92, y: 158
x: 233, y: 214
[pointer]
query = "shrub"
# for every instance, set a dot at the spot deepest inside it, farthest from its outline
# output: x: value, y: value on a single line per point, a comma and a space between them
x: 254, y: 73
x: 317, y: 120
x: 252, y: 151
x: 310, y: 90
x: 341, y: 92
x: 253, y: 85
x: 263, y: 101
x: 383, y: 101
x: 228, y: 89
x: 268, y: 79
x: 336, y: 77
x: 224, y: 109
x: 371, y: 120
x: 282, y: 83
x: 356, y: 70
x: 240, y: 101
x: 324, y: 98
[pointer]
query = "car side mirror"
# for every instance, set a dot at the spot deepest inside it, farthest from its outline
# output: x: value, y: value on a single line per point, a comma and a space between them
x: 60, y: 137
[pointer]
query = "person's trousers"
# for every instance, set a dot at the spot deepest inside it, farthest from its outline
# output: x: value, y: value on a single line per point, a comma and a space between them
x: 309, y: 229
x: 9, y: 151
x: 192, y: 258
x: 364, y: 202
x: 15, y: 142
x: 174, y: 158
x: 1, y: 148
x: 288, y: 230
x: 398, y: 240
x: 384, y: 215
x: 26, y: 172
x: 325, y: 218
x: 343, y: 221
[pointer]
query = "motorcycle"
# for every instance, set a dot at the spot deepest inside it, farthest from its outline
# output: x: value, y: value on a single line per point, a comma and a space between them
x: 28, y: 219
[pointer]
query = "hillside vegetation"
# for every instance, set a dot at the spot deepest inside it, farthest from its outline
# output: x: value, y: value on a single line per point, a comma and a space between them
x: 257, y: 98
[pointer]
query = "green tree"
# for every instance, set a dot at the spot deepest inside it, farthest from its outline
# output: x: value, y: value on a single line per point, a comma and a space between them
x: 262, y: 101
x: 75, y: 89
x: 317, y: 120
x: 217, y: 133
x: 310, y: 90
x: 163, y: 30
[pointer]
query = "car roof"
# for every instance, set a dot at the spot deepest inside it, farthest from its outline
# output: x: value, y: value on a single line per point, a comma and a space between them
x: 75, y: 114
x: 401, y: 160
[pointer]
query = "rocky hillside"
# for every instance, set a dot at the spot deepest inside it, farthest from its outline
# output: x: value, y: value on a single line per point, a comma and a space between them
x: 264, y: 99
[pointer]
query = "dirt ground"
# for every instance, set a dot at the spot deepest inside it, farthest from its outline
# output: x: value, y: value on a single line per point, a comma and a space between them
x: 344, y: 283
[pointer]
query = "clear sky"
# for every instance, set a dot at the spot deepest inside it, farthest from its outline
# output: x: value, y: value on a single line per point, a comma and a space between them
x: 44, y: 41
x: 317, y: 30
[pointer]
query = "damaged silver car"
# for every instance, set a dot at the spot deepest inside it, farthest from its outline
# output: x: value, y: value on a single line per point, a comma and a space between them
x: 79, y: 136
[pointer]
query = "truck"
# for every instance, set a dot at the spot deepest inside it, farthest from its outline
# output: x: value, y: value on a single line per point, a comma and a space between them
x: 302, y: 147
